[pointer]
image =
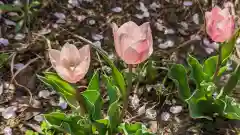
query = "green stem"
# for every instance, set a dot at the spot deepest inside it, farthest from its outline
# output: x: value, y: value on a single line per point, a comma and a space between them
x: 219, y: 62
x: 125, y: 99
x: 82, y: 109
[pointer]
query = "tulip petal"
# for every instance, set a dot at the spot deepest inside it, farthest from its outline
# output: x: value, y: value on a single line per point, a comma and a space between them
x: 65, y: 74
x: 131, y: 56
x: 84, y: 52
x: 116, y: 39
x: 54, y: 57
x: 70, y: 56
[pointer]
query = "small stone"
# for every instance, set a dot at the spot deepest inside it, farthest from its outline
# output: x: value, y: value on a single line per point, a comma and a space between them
x: 97, y: 37
x: 187, y: 3
x: 62, y: 103
x: 60, y: 16
x: 73, y: 3
x: 142, y: 7
x: 196, y: 18
x: 9, y: 86
x: 151, y: 114
x: 44, y: 94
x: 166, y: 44
x: 184, y: 25
x: 142, y: 110
x: 19, y: 36
x: 139, y: 16
x: 80, y: 18
x: 9, y: 22
x: 91, y: 22
x: 176, y: 109
x: 155, y: 6
x: 4, y: 42
x: 195, y: 37
x: 135, y: 101
x: 1, y: 89
x: 38, y: 118
x: 153, y: 126
x: 117, y: 9
x: 169, y: 31
x: 18, y: 66
x: 7, y: 131
x: 98, y: 44
x: 165, y: 116
x: 9, y: 112
x: 177, y: 119
x: 174, y: 101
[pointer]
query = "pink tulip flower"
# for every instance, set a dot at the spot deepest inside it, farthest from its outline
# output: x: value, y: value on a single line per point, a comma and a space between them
x: 133, y: 43
x: 70, y: 63
x: 219, y: 24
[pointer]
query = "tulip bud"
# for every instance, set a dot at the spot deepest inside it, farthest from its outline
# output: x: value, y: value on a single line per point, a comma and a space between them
x: 133, y: 43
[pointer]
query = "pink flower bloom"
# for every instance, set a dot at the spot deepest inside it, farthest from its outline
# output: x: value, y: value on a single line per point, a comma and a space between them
x: 70, y: 63
x: 219, y: 24
x: 133, y: 43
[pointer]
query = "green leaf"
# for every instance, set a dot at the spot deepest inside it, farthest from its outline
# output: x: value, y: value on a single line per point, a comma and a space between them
x: 232, y: 81
x: 134, y: 129
x: 93, y: 103
x: 111, y: 89
x: 94, y: 83
x: 68, y: 89
x: 228, y: 47
x: 178, y: 74
x: 114, y: 116
x: 196, y: 70
x: 210, y: 66
x: 117, y: 75
x: 102, y: 126
x: 3, y: 58
x: 19, y: 26
x: 62, y: 87
x: 55, y: 119
x: 10, y: 7
x: 232, y: 108
x: 151, y: 71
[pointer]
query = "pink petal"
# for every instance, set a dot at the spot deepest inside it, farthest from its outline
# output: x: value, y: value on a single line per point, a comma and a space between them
x: 84, y: 52
x: 54, y: 57
x: 65, y: 74
x: 131, y: 29
x: 131, y: 56
x: 116, y: 39
x: 70, y: 55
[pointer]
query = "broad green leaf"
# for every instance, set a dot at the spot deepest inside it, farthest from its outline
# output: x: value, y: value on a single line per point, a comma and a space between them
x: 3, y: 58
x: 134, y: 129
x: 196, y: 70
x: 111, y: 89
x: 94, y: 83
x: 55, y: 119
x: 210, y: 66
x: 102, y: 126
x: 178, y: 74
x: 232, y: 81
x: 65, y: 85
x: 232, y: 108
x: 117, y: 75
x: 93, y: 102
x: 10, y: 7
x: 62, y: 87
x: 114, y: 116
x: 228, y: 47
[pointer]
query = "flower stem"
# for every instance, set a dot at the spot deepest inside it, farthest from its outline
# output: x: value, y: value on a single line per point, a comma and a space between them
x: 125, y: 99
x: 219, y: 62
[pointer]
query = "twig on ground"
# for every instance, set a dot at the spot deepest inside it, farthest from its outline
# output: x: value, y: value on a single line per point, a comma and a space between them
x: 18, y: 71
